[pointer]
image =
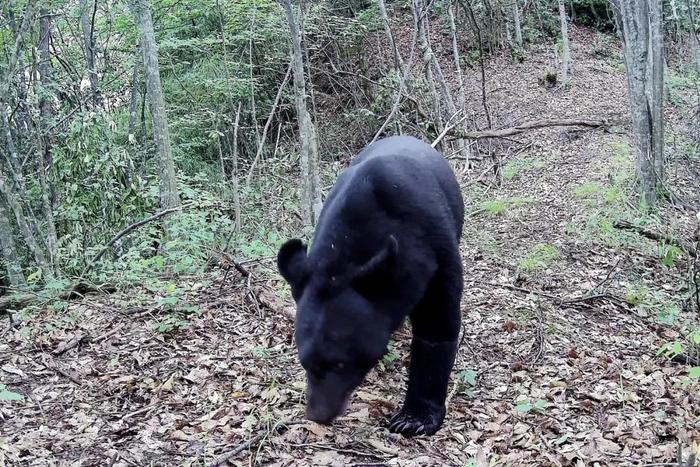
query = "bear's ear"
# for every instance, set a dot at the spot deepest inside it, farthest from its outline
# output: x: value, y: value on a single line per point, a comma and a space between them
x: 375, y: 273
x: 292, y: 264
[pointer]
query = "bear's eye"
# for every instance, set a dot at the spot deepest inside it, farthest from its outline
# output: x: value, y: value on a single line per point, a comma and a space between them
x: 338, y: 366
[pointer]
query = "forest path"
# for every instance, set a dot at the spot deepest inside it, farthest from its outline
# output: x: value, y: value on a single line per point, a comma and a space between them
x: 119, y: 380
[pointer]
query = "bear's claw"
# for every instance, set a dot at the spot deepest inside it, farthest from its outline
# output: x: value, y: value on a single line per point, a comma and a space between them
x: 413, y: 425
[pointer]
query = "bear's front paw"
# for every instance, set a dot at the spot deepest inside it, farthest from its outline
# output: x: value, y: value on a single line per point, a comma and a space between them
x: 410, y: 424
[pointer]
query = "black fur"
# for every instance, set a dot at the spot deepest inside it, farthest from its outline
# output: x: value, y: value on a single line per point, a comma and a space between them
x: 386, y: 247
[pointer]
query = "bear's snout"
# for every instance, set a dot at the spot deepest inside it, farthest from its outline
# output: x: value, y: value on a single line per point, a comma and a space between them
x: 324, y: 412
x: 326, y: 398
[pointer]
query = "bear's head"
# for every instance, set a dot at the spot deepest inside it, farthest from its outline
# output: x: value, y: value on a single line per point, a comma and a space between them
x: 343, y: 322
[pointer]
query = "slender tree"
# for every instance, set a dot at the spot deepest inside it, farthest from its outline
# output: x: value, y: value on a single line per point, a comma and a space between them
x: 398, y: 60
x: 516, y: 24
x: 9, y: 251
x: 169, y: 196
x: 135, y: 94
x: 310, y: 183
x: 566, y: 51
x: 87, y: 24
x: 46, y: 112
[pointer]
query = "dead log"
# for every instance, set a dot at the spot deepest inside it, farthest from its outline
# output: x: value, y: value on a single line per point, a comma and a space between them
x: 523, y: 127
x: 652, y: 235
x: 20, y: 301
x: 16, y: 302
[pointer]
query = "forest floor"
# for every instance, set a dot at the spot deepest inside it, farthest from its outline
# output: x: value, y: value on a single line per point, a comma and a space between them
x: 563, y: 315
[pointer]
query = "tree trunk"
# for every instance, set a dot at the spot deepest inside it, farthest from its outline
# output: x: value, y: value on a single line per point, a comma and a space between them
x: 27, y: 20
x: 251, y: 79
x: 694, y: 36
x: 566, y: 52
x: 516, y: 24
x: 461, y: 144
x: 46, y: 112
x: 87, y: 19
x: 169, y: 196
x: 266, y: 128
x: 643, y: 51
x: 455, y: 55
x: 398, y: 60
x: 135, y: 94
x: 484, y: 100
x: 235, y: 172
x: 310, y: 183
x: 24, y: 227
x: 656, y: 84
x: 403, y: 68
x: 9, y: 251
x: 429, y: 64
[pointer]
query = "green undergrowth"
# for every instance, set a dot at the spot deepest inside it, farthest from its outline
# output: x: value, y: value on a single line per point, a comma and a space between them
x: 610, y: 201
x: 195, y: 236
x: 498, y: 207
x: 539, y: 257
x: 518, y: 166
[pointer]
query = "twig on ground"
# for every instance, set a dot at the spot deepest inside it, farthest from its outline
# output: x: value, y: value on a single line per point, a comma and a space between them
x: 561, y: 302
x: 608, y: 275
x: 278, y: 428
x: 538, y: 343
x: 381, y: 448
x: 591, y: 298
x: 448, y: 127
x: 522, y: 290
x: 139, y: 411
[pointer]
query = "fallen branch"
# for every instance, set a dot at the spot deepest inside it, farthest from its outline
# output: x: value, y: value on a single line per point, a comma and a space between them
x: 127, y: 231
x: 650, y: 234
x: 523, y: 127
x: 222, y: 459
x: 19, y: 301
x: 270, y: 300
x: 592, y: 298
x: 562, y: 302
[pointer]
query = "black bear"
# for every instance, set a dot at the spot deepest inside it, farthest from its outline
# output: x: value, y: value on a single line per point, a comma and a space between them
x: 386, y: 246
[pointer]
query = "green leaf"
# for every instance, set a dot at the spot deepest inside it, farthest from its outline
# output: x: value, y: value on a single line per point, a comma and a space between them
x: 35, y: 276
x: 695, y: 337
x: 6, y: 395
x: 468, y: 376
x: 694, y: 372
x: 523, y: 407
x: 540, y: 405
